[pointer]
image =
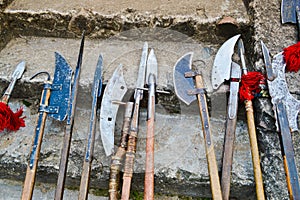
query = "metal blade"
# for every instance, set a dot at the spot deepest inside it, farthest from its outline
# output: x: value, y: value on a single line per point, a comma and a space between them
x: 288, y: 11
x: 151, y: 66
x: 97, y: 85
x: 268, y: 63
x: 19, y: 71
x: 182, y: 84
x: 222, y: 63
x: 114, y: 91
x: 61, y: 88
x: 142, y: 68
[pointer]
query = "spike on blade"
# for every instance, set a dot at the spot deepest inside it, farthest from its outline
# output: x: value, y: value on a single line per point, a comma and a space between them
x: 222, y: 62
x: 181, y: 83
x: 62, y: 78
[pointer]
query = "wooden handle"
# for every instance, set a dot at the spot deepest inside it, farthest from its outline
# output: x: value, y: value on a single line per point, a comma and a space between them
x: 227, y: 157
x: 35, y: 148
x: 116, y: 162
x: 149, y: 170
x: 209, y: 146
x: 254, y: 151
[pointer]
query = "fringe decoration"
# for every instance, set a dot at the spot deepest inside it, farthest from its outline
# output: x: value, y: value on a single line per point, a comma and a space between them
x: 291, y: 56
x: 10, y: 120
x: 252, y: 84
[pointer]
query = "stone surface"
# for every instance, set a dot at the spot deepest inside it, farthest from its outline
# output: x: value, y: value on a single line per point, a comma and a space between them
x: 33, y: 31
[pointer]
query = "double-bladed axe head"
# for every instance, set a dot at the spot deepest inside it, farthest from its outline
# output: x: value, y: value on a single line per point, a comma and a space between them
x: 61, y: 88
x: 182, y: 84
x: 222, y: 63
x: 114, y: 92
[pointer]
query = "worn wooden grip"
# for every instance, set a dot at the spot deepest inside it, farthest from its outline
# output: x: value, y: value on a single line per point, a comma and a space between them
x: 209, y: 146
x: 116, y: 162
x: 35, y: 148
x: 254, y: 151
x: 227, y: 157
x: 149, y: 170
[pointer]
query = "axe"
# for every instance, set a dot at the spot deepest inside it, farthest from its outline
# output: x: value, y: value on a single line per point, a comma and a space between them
x: 59, y: 90
x: 112, y: 98
x: 188, y: 91
x: 286, y: 109
x: 290, y: 12
x: 87, y: 163
x: 225, y: 69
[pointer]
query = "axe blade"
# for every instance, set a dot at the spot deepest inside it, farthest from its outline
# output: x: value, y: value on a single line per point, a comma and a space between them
x: 222, y: 63
x: 61, y: 87
x: 114, y: 91
x: 288, y: 11
x: 182, y: 84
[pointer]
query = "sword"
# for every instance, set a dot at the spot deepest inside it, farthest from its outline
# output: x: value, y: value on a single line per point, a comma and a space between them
x: 286, y: 109
x: 61, y: 83
x: 188, y: 91
x: 87, y: 163
x: 133, y: 134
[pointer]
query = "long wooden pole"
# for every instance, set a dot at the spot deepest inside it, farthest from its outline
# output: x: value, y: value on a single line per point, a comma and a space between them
x: 36, y: 146
x: 116, y: 162
x: 209, y: 146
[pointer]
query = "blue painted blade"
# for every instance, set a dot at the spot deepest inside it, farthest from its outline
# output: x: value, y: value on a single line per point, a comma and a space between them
x: 60, y: 95
x: 288, y: 11
x: 97, y: 85
x: 182, y: 84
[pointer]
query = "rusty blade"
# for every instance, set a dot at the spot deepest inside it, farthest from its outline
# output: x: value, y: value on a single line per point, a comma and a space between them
x: 182, y: 84
x: 222, y: 63
x: 114, y: 92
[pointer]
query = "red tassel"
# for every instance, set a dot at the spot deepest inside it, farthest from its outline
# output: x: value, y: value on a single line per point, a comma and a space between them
x: 10, y: 120
x: 291, y: 56
x: 251, y: 85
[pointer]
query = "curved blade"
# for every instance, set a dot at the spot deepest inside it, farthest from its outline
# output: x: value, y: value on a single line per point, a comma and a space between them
x: 222, y: 62
x: 61, y: 88
x: 114, y: 91
x: 182, y: 84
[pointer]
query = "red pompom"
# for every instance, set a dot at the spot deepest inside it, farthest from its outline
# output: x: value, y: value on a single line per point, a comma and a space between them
x: 291, y: 56
x: 10, y: 120
x: 251, y: 85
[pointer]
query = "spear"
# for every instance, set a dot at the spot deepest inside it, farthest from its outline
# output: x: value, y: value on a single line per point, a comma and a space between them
x: 87, y: 163
x: 10, y: 120
x: 69, y: 128
x: 252, y: 132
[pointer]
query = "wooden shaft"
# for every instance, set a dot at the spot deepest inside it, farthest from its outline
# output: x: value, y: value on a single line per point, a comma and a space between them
x: 209, y: 146
x: 35, y: 148
x: 254, y: 151
x: 288, y: 179
x: 149, y: 170
x: 130, y: 153
x: 87, y: 163
x: 227, y: 157
x: 59, y: 192
x: 8, y: 91
x: 116, y: 162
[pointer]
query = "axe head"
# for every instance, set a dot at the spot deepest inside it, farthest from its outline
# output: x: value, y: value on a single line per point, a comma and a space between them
x: 182, y: 84
x: 113, y: 93
x: 222, y: 63
x: 61, y: 88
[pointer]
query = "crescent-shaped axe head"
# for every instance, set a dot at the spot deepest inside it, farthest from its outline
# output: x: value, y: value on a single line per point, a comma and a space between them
x: 222, y: 63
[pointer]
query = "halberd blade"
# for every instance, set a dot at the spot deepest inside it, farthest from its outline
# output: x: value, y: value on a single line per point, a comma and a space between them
x: 19, y: 70
x: 61, y: 88
x: 182, y: 84
x: 97, y: 85
x: 140, y: 82
x: 288, y: 11
x: 268, y: 62
x: 114, y: 91
x: 222, y: 63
